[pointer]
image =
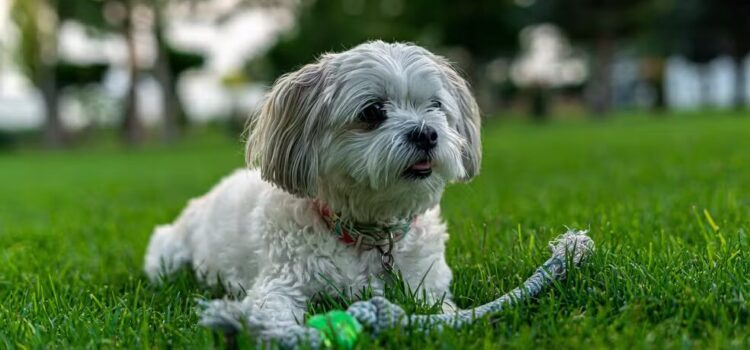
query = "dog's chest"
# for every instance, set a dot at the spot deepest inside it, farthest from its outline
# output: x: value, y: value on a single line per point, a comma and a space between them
x: 324, y: 262
x: 357, y: 269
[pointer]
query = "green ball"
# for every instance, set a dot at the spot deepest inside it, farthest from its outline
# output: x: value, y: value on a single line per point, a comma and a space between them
x: 337, y: 329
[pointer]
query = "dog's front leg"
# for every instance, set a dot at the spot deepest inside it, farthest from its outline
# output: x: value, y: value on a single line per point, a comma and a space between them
x: 431, y: 281
x: 266, y: 311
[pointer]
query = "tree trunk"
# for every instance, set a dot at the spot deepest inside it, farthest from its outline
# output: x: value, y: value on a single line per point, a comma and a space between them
x: 46, y: 81
x: 652, y: 69
x: 705, y: 81
x: 539, y: 98
x: 174, y: 114
x: 660, y: 100
x: 54, y: 132
x: 132, y: 130
x: 600, y: 89
x: 739, y: 83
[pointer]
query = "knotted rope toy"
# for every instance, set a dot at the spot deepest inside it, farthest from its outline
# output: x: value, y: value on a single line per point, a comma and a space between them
x: 340, y: 329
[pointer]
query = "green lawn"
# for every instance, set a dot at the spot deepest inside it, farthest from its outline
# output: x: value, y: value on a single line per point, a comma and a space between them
x: 666, y: 199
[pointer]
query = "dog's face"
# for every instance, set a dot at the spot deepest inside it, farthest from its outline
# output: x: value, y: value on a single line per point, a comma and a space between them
x: 375, y: 132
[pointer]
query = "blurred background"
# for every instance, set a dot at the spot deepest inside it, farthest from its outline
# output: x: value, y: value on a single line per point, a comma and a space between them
x: 140, y: 71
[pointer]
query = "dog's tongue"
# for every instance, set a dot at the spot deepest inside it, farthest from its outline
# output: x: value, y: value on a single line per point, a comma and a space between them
x: 423, y: 165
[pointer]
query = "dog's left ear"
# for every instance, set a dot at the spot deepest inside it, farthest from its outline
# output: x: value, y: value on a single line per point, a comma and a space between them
x: 468, y: 119
x: 283, y: 137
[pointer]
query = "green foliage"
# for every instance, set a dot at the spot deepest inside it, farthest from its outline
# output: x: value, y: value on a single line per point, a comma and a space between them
x: 25, y: 14
x: 180, y: 61
x: 485, y: 28
x: 7, y: 140
x: 68, y: 74
x: 35, y: 19
x: 584, y: 20
x: 665, y: 199
x: 36, y: 52
x: 702, y: 30
x: 86, y: 12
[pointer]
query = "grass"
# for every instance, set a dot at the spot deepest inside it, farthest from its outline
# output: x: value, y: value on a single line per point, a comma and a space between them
x: 667, y: 201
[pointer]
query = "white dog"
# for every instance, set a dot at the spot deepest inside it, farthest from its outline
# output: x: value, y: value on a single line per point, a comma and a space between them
x: 351, y: 157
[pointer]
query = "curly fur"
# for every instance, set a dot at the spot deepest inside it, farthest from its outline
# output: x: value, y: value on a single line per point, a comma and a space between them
x: 258, y: 231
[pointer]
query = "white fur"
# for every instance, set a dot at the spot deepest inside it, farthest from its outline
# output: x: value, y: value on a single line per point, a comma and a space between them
x: 258, y: 231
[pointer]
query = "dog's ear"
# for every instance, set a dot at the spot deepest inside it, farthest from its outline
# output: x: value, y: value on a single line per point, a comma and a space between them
x: 283, y: 138
x: 466, y: 116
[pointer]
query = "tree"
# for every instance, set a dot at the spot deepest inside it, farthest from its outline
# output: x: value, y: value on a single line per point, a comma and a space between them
x: 171, y: 62
x: 483, y: 28
x: 470, y: 32
x: 600, y: 25
x: 710, y: 29
x: 37, y: 24
x: 735, y: 16
x: 738, y: 27
x: 700, y: 30
x: 119, y: 15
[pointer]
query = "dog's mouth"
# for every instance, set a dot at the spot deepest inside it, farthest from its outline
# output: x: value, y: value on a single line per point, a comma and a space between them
x: 419, y: 170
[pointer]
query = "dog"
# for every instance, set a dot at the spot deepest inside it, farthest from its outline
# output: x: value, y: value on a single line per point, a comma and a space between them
x: 349, y: 157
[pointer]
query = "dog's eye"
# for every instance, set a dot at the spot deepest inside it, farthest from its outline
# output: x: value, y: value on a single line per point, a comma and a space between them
x: 373, y: 114
x: 435, y: 104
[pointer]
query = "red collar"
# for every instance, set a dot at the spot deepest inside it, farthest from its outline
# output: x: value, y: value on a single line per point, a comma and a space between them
x: 363, y: 236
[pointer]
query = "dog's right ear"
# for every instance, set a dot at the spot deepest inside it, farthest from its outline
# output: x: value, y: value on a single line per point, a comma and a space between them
x: 283, y: 137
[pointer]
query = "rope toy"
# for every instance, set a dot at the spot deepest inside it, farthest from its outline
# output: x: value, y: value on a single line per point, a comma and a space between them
x: 340, y: 329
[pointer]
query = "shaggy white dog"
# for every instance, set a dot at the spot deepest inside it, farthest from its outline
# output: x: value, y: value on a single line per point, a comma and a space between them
x: 351, y: 156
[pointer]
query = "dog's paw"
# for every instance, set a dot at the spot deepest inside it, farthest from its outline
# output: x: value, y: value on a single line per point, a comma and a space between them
x: 221, y: 314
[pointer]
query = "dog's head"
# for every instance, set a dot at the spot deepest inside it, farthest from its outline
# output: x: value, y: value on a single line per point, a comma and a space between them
x: 375, y: 131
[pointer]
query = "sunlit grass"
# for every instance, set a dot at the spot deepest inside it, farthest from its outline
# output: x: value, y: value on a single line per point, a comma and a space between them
x: 667, y: 201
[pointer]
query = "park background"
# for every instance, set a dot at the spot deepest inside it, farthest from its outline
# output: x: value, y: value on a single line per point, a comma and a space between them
x: 153, y: 68
x: 626, y: 118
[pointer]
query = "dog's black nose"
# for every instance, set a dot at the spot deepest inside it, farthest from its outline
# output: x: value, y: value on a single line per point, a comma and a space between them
x: 424, y: 137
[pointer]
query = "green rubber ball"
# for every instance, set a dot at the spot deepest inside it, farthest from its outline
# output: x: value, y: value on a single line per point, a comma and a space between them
x: 337, y: 329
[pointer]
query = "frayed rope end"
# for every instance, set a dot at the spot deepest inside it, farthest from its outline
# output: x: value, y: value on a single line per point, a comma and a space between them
x: 576, y: 244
